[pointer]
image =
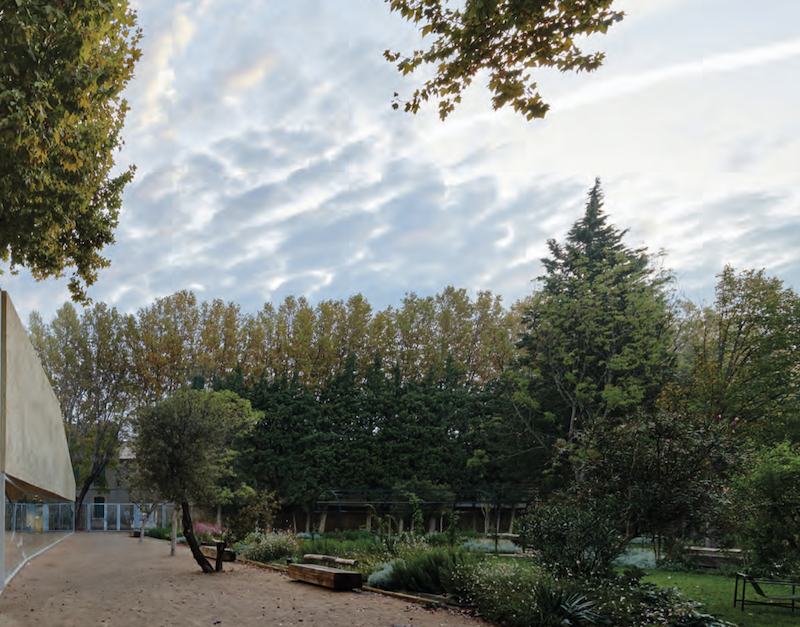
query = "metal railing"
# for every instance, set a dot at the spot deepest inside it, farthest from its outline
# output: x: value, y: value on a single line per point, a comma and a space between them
x: 122, y: 516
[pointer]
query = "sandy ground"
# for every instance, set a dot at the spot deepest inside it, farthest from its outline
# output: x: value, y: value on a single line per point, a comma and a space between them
x: 115, y: 581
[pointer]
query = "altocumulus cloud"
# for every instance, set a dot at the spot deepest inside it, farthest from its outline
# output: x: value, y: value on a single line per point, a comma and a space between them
x: 270, y: 162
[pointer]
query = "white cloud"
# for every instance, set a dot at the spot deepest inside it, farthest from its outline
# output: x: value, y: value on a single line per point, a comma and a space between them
x: 305, y: 180
x: 619, y: 87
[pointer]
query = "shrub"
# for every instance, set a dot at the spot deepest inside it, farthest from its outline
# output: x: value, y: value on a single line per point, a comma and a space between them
x: 160, y: 533
x: 353, y: 549
x: 639, y: 558
x: 206, y: 534
x: 257, y: 512
x: 424, y: 571
x: 767, y: 510
x: 500, y: 589
x: 269, y: 547
x: 382, y: 576
x: 573, y: 541
x: 630, y: 603
x: 521, y: 595
x: 487, y: 546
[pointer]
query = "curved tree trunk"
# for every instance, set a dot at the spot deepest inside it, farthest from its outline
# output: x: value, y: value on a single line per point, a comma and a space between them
x: 188, y: 532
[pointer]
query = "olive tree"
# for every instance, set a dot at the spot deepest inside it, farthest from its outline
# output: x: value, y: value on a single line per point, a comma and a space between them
x: 183, y: 449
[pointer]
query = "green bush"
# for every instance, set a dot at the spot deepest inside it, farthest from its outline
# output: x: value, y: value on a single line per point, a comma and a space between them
x: 257, y: 513
x: 354, y: 549
x: 425, y: 571
x: 269, y: 547
x: 573, y: 541
x: 500, y: 589
x: 161, y: 533
x: 488, y: 546
x: 766, y: 499
x: 382, y: 577
x: 630, y: 603
x: 520, y: 594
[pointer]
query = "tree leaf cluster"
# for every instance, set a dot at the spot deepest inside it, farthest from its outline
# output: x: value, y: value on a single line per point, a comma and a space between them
x: 63, y: 66
x: 507, y: 39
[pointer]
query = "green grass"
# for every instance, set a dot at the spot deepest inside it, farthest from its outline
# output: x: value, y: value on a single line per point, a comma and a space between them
x: 716, y: 593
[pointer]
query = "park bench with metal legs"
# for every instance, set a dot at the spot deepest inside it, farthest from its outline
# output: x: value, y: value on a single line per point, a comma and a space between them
x: 774, y: 600
x: 334, y: 578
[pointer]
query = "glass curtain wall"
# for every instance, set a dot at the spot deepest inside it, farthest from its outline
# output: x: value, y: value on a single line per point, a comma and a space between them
x: 32, y: 522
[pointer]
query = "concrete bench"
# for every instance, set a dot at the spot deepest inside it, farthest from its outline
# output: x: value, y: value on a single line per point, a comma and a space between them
x: 327, y: 576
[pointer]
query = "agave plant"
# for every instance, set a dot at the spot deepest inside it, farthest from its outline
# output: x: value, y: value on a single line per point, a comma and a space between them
x: 556, y: 608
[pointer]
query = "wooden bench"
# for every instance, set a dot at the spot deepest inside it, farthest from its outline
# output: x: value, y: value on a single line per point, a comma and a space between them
x: 219, y: 554
x: 775, y: 600
x: 712, y: 557
x: 334, y: 578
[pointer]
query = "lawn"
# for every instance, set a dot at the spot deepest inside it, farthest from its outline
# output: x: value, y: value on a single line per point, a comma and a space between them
x: 716, y: 592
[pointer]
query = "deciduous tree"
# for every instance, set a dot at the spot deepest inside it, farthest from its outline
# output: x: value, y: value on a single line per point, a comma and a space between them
x: 742, y: 359
x: 507, y: 39
x: 63, y: 66
x: 89, y: 367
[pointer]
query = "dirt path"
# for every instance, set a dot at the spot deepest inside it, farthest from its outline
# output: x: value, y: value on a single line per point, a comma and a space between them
x: 112, y: 580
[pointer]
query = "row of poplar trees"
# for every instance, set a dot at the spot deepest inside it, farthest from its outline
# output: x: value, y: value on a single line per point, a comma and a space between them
x: 603, y: 383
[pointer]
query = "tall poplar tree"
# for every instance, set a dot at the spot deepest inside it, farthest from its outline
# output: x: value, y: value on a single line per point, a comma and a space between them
x: 89, y: 367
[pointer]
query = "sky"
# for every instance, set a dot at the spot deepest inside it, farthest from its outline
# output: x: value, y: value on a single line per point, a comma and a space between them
x: 269, y: 161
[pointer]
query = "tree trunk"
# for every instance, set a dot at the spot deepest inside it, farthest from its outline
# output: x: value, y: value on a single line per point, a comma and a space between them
x: 84, y: 490
x: 174, y: 542
x: 219, y: 516
x: 188, y: 532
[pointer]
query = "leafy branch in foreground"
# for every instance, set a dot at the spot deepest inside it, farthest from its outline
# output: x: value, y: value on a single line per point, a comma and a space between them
x: 505, y: 37
x: 63, y: 66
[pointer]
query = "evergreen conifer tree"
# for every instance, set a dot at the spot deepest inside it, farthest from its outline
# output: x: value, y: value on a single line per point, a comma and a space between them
x: 599, y: 328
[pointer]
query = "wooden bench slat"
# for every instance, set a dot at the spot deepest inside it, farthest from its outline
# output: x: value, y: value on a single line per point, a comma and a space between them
x: 211, y: 552
x: 334, y: 578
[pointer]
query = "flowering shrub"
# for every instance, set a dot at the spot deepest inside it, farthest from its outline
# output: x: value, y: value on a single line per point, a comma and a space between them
x: 632, y: 603
x: 207, y: 534
x: 519, y: 594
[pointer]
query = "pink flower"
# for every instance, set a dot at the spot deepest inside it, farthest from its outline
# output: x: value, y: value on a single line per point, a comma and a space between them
x: 667, y: 439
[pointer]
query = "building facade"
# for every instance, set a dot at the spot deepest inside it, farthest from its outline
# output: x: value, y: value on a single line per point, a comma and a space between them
x: 39, y: 488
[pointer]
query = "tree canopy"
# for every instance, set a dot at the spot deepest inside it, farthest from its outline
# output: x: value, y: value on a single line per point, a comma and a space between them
x: 63, y: 66
x: 183, y: 449
x: 598, y: 330
x: 742, y: 356
x: 85, y: 358
x: 507, y: 38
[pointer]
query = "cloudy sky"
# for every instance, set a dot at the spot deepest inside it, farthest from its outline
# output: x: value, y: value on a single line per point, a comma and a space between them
x: 269, y: 160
